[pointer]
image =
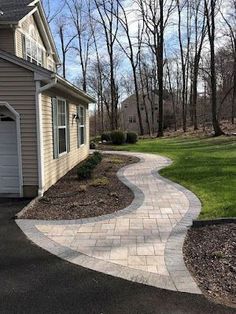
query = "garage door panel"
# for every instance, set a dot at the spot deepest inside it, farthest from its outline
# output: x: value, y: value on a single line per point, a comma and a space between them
x: 8, y: 127
x: 8, y: 149
x: 10, y: 182
x: 8, y: 161
x: 9, y: 168
x: 9, y: 171
x: 8, y: 139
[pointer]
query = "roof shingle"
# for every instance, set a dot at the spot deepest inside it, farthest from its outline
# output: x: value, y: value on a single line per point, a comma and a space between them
x: 14, y: 10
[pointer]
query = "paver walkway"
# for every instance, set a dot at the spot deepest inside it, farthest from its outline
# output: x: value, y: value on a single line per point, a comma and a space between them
x: 141, y: 243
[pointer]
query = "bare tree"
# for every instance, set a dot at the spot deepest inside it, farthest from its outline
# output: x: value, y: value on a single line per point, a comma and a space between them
x: 65, y: 41
x: 155, y: 15
x: 80, y: 18
x: 210, y: 11
x: 199, y: 36
x: 230, y: 19
x: 184, y: 53
x: 52, y: 14
x: 132, y: 53
x: 108, y: 12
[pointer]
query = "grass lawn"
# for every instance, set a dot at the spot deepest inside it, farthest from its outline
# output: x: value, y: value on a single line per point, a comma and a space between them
x: 206, y: 166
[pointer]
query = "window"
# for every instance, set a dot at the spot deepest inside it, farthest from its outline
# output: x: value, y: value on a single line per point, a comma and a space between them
x: 61, y: 120
x: 132, y: 119
x: 34, y: 53
x: 81, y: 125
x: 60, y: 127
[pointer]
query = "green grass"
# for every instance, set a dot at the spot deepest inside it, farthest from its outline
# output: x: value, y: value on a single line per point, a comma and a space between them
x: 206, y: 166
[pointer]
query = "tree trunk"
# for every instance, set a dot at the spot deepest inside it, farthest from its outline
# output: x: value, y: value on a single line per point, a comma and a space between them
x: 234, y: 90
x: 160, y: 60
x: 211, y: 33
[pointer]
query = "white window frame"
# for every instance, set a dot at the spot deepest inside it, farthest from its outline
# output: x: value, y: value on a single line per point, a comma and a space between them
x: 40, y: 48
x: 62, y: 127
x: 80, y: 126
x: 29, y: 55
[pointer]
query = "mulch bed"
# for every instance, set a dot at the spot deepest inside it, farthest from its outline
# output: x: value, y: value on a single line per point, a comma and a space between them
x: 70, y: 198
x: 210, y: 255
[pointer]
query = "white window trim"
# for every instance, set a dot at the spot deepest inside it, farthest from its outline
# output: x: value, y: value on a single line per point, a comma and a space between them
x: 29, y: 37
x: 62, y: 127
x: 81, y: 126
x: 39, y: 45
x: 39, y: 51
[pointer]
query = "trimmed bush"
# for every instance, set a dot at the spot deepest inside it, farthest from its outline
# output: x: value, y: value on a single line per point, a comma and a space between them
x: 132, y: 138
x: 97, y: 156
x: 106, y: 137
x: 84, y: 171
x: 118, y: 137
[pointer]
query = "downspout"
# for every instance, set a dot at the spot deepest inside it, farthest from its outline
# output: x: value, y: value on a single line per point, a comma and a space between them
x: 40, y: 146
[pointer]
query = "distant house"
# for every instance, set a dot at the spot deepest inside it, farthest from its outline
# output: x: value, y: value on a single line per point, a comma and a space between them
x: 44, y: 123
x: 149, y: 113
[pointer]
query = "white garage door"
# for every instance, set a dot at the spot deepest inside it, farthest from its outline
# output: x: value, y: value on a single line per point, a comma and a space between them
x: 9, y: 172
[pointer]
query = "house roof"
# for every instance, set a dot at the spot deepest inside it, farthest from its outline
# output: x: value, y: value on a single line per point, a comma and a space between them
x: 46, y: 76
x: 14, y: 10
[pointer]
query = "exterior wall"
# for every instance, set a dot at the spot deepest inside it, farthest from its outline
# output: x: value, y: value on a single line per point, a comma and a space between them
x: 54, y: 169
x: 25, y: 29
x: 17, y: 87
x: 7, y: 40
x: 129, y: 109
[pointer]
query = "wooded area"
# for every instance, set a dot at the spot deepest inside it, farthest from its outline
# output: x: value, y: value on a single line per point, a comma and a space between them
x: 182, y: 52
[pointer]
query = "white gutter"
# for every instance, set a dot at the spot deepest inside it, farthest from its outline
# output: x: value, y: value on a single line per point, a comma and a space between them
x: 39, y: 91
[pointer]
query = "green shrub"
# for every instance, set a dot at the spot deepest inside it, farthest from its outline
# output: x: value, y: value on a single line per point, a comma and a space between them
x: 118, y: 137
x: 106, y: 137
x: 132, y: 138
x: 84, y: 171
x: 97, y: 156
x: 91, y: 163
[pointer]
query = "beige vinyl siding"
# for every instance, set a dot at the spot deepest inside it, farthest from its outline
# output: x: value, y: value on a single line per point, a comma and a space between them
x: 54, y: 169
x: 17, y: 87
x: 25, y: 29
x: 7, y: 40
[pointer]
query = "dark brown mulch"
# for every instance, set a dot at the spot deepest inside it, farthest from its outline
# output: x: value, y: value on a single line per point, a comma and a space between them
x: 70, y: 198
x: 210, y: 255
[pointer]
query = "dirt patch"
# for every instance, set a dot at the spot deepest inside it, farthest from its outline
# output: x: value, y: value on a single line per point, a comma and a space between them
x: 70, y: 198
x: 210, y: 255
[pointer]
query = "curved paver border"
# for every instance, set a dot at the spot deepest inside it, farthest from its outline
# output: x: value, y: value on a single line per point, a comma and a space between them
x: 178, y: 272
x: 173, y: 250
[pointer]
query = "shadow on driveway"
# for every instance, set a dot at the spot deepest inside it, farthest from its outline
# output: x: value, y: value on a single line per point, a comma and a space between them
x: 34, y: 281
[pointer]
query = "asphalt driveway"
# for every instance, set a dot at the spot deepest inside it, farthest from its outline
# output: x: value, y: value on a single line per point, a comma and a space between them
x: 33, y: 281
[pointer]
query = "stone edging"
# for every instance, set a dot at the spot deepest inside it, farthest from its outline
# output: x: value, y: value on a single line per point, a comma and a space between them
x: 210, y: 222
x: 174, y: 260
x: 173, y: 250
